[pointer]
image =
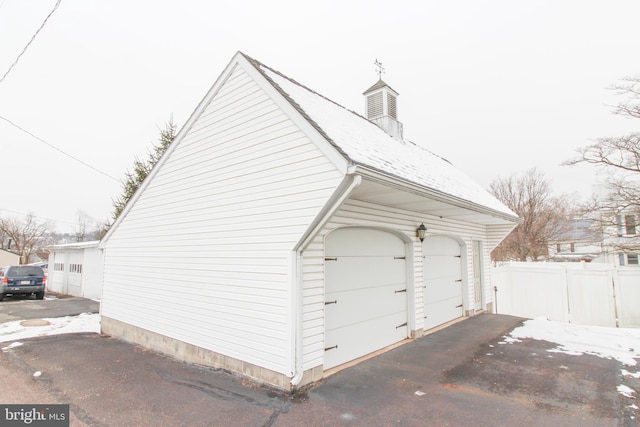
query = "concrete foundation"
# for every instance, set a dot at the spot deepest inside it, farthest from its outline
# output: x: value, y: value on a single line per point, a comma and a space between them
x: 192, y: 354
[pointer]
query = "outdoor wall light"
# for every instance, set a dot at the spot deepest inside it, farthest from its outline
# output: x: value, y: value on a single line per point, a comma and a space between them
x: 421, y: 232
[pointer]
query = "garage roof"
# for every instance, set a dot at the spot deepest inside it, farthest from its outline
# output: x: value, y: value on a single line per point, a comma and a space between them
x: 363, y: 143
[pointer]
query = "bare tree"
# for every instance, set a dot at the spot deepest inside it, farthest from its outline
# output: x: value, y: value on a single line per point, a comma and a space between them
x: 101, y: 229
x: 83, y: 221
x: 620, y: 157
x: 544, y: 217
x: 4, y: 239
x: 26, y: 235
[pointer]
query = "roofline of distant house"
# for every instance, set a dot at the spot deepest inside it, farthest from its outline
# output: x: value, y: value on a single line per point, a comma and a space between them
x: 76, y: 245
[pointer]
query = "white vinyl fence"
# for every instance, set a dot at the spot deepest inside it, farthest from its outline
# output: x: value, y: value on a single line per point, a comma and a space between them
x: 586, y: 294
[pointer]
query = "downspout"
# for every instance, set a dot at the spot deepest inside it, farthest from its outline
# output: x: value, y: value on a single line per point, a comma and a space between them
x: 342, y: 193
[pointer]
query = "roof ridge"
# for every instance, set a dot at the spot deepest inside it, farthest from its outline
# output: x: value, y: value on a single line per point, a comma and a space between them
x: 259, y: 67
x: 257, y: 64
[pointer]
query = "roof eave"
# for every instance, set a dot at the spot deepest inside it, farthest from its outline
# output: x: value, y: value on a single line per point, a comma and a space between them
x: 405, y: 185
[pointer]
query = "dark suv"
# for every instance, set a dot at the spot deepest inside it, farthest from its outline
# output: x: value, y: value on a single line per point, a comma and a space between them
x: 22, y: 279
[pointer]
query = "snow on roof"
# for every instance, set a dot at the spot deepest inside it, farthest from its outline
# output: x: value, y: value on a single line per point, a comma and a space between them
x: 365, y: 144
x: 77, y: 245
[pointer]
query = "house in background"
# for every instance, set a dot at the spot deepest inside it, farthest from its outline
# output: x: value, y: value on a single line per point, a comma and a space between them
x: 580, y: 243
x: 615, y: 232
x: 625, y: 246
x: 282, y: 235
x: 76, y: 269
x: 587, y: 240
x: 8, y: 258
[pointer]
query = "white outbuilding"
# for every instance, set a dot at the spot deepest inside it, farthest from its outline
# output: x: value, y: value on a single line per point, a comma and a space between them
x: 8, y: 258
x: 282, y: 235
x: 76, y: 269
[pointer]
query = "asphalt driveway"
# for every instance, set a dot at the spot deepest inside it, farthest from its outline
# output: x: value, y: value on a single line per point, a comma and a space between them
x: 21, y: 307
x: 464, y: 375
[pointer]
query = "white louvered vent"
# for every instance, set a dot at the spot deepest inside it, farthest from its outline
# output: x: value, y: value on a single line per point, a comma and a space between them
x: 374, y: 105
x: 391, y: 105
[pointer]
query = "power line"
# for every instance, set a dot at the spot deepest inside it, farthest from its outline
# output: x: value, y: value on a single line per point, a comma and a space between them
x: 37, y: 216
x: 30, y: 41
x: 59, y: 150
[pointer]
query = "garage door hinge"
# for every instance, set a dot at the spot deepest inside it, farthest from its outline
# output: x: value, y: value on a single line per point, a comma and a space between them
x: 399, y: 257
x: 331, y: 348
x: 331, y: 302
x: 459, y: 306
x: 400, y: 326
x: 330, y: 258
x: 400, y: 291
x: 457, y: 256
x: 459, y: 280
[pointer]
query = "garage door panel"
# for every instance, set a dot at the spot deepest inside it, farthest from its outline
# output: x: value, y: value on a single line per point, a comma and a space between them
x: 441, y: 313
x: 356, y: 340
x: 440, y: 246
x: 348, y: 307
x: 349, y: 273
x: 437, y: 266
x: 444, y: 291
x: 363, y: 242
x: 364, y: 312
x: 442, y: 280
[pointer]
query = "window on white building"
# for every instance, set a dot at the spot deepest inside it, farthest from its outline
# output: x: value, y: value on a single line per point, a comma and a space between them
x: 630, y: 224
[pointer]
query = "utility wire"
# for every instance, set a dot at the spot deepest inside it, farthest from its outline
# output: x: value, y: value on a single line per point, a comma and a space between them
x: 30, y: 41
x: 59, y: 150
x: 37, y: 216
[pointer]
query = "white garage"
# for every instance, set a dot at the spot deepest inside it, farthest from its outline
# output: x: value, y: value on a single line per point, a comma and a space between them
x: 298, y: 227
x: 443, y: 281
x: 76, y: 269
x: 365, y: 294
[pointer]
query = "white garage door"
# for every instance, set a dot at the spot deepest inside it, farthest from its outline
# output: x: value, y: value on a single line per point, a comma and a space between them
x: 365, y: 293
x: 442, y: 280
x: 73, y: 269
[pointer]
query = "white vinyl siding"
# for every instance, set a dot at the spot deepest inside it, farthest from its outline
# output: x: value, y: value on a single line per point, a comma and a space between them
x: 204, y: 255
x: 358, y: 213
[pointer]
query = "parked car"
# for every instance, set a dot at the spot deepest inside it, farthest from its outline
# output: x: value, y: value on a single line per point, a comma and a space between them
x: 22, y: 280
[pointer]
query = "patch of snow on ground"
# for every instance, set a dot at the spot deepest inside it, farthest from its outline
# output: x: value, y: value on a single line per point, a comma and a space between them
x: 85, y: 322
x: 622, y: 344
x: 626, y: 373
x: 12, y: 345
x: 626, y: 391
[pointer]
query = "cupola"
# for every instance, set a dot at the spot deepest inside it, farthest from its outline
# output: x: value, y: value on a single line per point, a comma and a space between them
x: 382, y: 108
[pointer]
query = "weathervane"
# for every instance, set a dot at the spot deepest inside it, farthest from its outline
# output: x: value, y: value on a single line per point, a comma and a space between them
x: 379, y: 69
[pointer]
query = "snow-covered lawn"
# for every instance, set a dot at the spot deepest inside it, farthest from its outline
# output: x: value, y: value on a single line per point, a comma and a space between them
x: 622, y: 344
x: 20, y: 329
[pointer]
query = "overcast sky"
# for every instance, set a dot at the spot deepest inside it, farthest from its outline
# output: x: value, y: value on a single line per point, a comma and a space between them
x: 496, y: 87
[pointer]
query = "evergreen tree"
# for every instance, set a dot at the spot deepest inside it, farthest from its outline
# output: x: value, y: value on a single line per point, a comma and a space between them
x: 141, y: 168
